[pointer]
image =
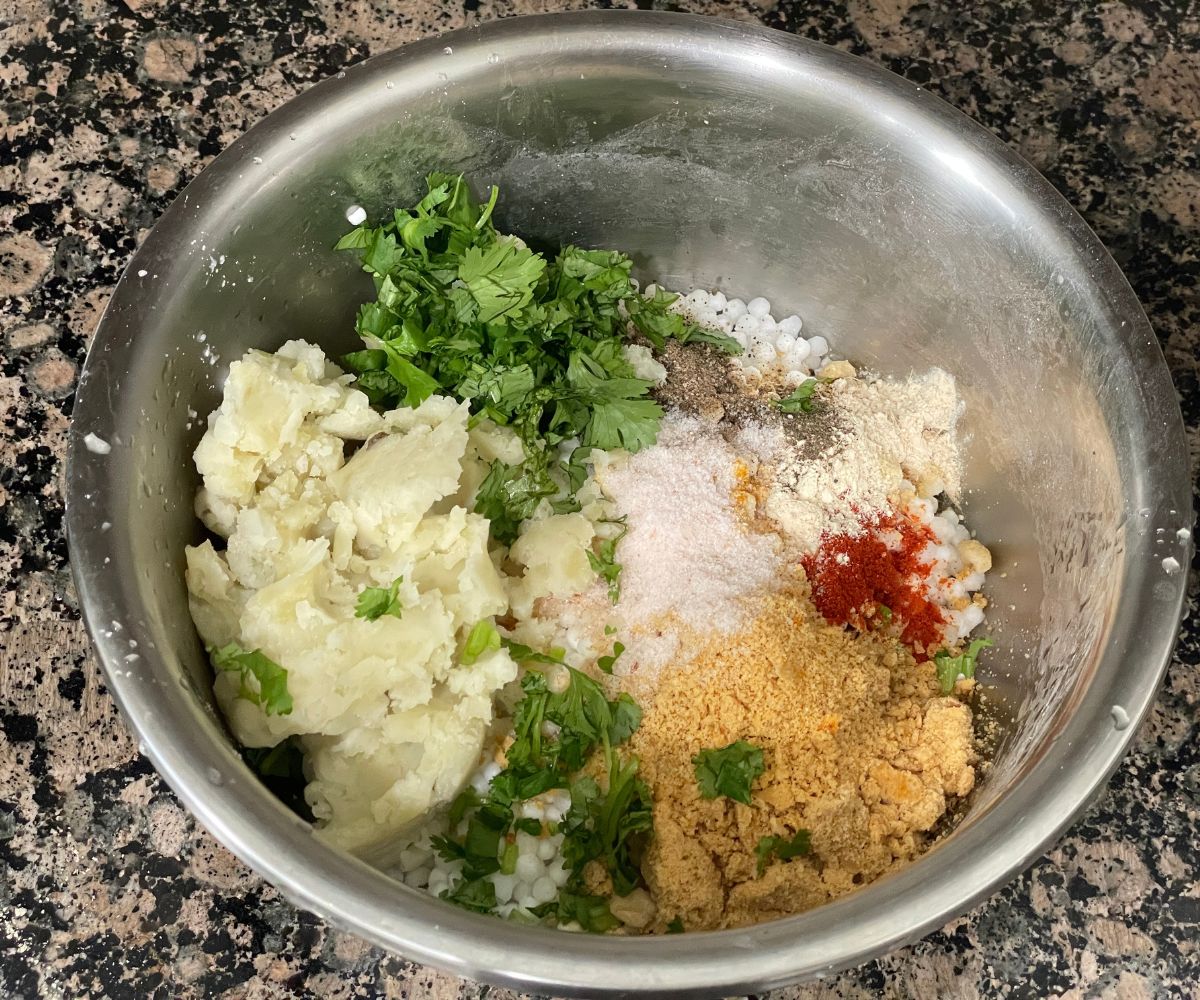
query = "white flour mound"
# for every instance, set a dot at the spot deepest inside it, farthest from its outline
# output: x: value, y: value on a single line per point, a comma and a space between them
x: 892, y: 432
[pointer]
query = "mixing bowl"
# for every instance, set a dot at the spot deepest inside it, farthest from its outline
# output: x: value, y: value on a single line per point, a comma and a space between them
x: 720, y: 155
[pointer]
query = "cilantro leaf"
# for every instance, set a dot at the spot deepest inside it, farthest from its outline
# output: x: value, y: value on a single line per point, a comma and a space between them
x: 783, y: 848
x: 511, y: 493
x: 604, y: 562
x: 483, y: 638
x: 605, y: 663
x: 801, y: 400
x: 477, y: 894
x: 950, y: 667
x: 379, y: 387
x: 590, y: 912
x: 269, y: 690
x: 675, y: 926
x: 500, y: 278
x: 728, y: 771
x: 627, y: 716
x: 361, y: 362
x: 375, y: 602
x: 527, y: 654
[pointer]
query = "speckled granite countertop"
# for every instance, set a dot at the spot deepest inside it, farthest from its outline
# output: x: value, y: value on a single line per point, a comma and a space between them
x: 108, y: 887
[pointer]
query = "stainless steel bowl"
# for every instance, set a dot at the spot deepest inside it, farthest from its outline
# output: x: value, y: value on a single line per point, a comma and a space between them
x: 721, y: 155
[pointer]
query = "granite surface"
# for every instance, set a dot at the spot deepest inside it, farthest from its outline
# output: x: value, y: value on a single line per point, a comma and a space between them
x: 108, y: 108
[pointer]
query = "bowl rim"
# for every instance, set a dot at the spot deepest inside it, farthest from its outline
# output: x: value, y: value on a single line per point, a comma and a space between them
x: 351, y: 895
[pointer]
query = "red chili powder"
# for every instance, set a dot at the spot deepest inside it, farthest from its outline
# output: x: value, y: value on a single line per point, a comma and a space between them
x: 851, y: 575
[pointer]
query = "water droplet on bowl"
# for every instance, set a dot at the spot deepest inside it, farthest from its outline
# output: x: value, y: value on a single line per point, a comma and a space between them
x: 356, y: 215
x: 214, y: 777
x: 1120, y: 718
x: 1183, y: 534
x: 447, y: 51
x: 493, y: 58
x: 1170, y: 565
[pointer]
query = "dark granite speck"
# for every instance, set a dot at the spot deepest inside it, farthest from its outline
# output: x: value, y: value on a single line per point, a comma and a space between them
x: 108, y: 887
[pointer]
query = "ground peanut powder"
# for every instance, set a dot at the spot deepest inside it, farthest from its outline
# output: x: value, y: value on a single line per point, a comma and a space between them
x: 860, y: 749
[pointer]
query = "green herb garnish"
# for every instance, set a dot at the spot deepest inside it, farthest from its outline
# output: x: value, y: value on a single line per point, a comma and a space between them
x: 783, y: 848
x: 884, y: 612
x: 729, y: 771
x: 473, y: 894
x: 375, y: 602
x: 801, y: 400
x: 483, y: 638
x: 527, y: 654
x: 604, y: 562
x: 950, y: 667
x: 675, y: 926
x: 605, y: 663
x: 590, y: 912
x: 608, y: 825
x: 269, y: 690
x: 533, y: 343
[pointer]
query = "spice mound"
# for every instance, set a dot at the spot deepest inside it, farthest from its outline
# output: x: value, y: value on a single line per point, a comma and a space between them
x: 860, y: 756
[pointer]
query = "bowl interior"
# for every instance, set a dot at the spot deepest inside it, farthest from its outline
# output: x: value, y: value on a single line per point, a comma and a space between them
x: 721, y: 157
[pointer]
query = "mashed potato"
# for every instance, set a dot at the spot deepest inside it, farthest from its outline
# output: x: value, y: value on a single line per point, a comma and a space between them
x: 390, y: 720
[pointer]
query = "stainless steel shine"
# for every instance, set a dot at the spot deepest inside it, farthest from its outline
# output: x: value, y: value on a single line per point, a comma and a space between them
x: 721, y: 155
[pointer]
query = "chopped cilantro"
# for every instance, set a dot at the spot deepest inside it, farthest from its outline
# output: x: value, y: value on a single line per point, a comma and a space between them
x: 801, y: 400
x: 627, y: 716
x: 532, y: 341
x: 605, y: 663
x: 729, y: 771
x: 477, y: 894
x: 511, y: 493
x: 527, y: 654
x: 269, y: 690
x: 483, y: 638
x: 590, y: 912
x: 609, y: 825
x: 374, y: 602
x: 950, y: 667
x: 884, y: 612
x: 604, y: 562
x: 675, y: 926
x: 783, y: 848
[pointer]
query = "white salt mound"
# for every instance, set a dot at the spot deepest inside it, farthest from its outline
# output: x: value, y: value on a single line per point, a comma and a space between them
x: 687, y: 552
